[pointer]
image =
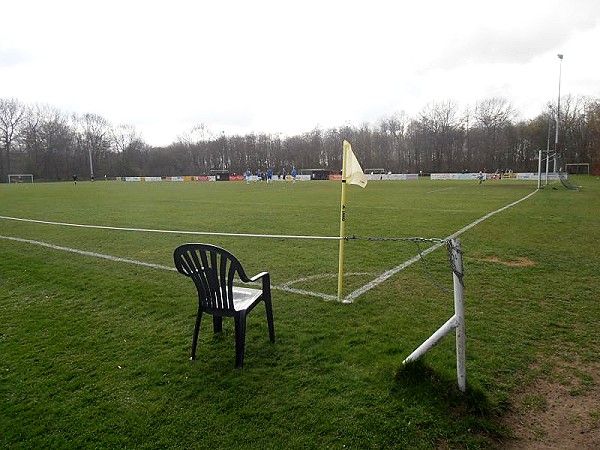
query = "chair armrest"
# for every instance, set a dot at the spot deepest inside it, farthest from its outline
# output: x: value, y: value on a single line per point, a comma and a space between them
x: 259, y: 276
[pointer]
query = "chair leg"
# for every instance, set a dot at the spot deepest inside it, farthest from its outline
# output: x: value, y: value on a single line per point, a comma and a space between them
x: 269, y: 309
x: 240, y: 339
x: 196, y: 332
x: 217, y: 324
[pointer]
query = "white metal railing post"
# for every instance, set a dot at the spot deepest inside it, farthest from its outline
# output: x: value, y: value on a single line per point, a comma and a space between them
x: 432, y: 340
x: 539, y: 183
x: 459, y: 314
x: 547, y: 167
x: 456, y: 322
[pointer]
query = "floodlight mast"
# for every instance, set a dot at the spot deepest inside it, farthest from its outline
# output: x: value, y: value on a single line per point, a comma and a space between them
x: 547, y: 151
x: 560, y: 57
x: 91, y: 165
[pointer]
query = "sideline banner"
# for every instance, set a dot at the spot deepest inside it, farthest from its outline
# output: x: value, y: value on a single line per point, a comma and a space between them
x: 393, y: 176
x: 453, y: 176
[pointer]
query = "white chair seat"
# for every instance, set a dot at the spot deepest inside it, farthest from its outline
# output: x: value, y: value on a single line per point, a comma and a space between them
x: 244, y: 297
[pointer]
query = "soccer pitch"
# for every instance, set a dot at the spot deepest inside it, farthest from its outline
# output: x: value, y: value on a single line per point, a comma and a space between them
x: 140, y: 222
x: 96, y: 325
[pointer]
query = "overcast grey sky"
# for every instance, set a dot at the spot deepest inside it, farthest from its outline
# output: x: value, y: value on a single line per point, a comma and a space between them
x: 290, y: 66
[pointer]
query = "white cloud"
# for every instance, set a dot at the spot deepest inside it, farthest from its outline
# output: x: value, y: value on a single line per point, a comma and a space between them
x: 273, y: 66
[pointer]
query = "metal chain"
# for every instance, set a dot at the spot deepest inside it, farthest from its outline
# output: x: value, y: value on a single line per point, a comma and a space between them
x: 453, y: 263
x: 417, y: 241
x: 428, y: 272
x: 399, y: 239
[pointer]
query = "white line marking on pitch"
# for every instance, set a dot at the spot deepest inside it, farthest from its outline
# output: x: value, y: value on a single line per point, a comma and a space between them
x: 153, y: 266
x: 387, y: 274
x: 86, y: 253
x: 440, y: 189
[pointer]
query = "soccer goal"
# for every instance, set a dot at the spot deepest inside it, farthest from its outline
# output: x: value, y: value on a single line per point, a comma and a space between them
x: 20, y: 178
x: 578, y: 168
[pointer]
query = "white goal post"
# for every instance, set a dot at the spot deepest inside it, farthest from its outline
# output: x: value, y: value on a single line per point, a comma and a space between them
x: 20, y: 178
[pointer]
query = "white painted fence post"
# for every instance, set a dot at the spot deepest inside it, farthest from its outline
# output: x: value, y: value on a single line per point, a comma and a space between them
x: 539, y: 182
x: 432, y: 340
x: 456, y: 322
x: 459, y: 315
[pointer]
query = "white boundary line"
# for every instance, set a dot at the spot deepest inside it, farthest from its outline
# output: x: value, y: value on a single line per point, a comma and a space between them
x: 285, y: 287
x: 86, y: 253
x: 387, y: 274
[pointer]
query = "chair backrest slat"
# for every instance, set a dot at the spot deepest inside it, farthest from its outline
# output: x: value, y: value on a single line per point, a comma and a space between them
x: 213, y: 296
x: 223, y: 278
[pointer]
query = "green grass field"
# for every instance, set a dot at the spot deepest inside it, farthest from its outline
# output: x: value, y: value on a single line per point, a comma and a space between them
x: 94, y: 352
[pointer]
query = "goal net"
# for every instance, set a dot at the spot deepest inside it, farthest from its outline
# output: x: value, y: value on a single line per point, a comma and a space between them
x: 564, y: 177
x: 566, y: 183
x: 20, y: 178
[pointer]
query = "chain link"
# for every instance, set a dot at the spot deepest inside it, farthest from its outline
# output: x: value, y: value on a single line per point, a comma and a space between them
x: 398, y: 239
x: 435, y: 282
x: 458, y: 271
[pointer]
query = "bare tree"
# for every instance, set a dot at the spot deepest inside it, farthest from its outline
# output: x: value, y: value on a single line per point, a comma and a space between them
x: 130, y: 149
x: 54, y: 145
x: 393, y: 131
x: 592, y: 114
x: 494, y: 113
x: 12, y: 117
x: 94, y: 134
x: 437, y: 135
x: 493, y: 118
x: 47, y: 137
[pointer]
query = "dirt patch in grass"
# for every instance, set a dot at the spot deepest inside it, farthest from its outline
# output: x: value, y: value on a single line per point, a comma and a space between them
x: 519, y: 262
x: 559, y: 411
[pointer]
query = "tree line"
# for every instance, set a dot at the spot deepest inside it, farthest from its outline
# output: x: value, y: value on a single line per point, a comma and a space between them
x: 54, y: 145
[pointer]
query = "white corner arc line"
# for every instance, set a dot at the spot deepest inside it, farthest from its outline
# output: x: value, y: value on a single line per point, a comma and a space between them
x: 389, y: 273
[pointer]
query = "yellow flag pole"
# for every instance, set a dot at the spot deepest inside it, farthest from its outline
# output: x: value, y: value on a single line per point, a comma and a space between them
x: 342, y: 226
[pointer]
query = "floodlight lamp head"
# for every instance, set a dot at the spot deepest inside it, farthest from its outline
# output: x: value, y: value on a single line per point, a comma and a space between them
x: 560, y: 56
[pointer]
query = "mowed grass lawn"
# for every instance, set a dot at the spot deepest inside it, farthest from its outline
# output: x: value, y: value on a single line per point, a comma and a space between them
x: 94, y: 353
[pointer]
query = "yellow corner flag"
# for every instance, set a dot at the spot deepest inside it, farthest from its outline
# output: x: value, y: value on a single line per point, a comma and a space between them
x: 351, y: 173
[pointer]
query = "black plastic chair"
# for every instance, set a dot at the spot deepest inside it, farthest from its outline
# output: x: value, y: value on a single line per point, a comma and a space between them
x: 214, y: 271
